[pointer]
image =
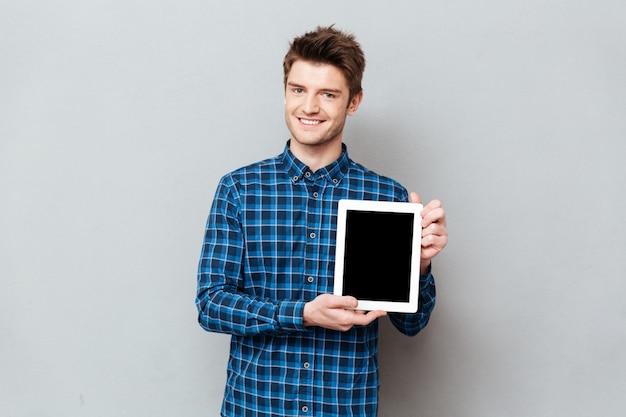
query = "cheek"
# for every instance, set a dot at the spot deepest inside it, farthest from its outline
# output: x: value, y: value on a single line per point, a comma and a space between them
x: 290, y: 105
x: 337, y: 113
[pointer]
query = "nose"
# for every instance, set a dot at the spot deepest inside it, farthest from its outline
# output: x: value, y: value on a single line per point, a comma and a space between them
x: 310, y: 104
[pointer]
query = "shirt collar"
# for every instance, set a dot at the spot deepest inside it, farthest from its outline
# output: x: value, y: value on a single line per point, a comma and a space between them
x: 298, y: 171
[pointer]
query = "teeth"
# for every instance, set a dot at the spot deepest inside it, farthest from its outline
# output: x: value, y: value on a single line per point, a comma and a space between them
x: 310, y: 122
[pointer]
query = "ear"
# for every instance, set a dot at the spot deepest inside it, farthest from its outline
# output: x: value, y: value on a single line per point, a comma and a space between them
x: 354, y: 103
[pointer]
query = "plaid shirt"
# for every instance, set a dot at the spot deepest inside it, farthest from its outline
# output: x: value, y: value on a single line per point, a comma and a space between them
x: 268, y: 249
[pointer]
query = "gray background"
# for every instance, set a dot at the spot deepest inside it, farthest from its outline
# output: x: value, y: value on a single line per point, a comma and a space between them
x: 117, y: 119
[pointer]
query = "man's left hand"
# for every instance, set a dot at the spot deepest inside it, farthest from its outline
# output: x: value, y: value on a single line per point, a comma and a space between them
x: 434, y: 231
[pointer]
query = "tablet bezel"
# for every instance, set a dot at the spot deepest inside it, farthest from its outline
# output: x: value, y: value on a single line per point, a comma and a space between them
x: 385, y: 207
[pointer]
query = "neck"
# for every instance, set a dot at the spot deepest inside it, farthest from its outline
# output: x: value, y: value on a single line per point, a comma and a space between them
x: 318, y: 156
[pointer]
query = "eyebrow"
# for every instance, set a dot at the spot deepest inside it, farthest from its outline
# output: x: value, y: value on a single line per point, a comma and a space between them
x: 330, y: 90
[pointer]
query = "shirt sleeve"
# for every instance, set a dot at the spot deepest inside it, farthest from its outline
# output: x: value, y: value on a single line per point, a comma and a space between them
x: 222, y: 304
x: 412, y: 324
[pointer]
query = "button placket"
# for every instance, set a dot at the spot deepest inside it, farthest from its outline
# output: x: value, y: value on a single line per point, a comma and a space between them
x: 305, y: 387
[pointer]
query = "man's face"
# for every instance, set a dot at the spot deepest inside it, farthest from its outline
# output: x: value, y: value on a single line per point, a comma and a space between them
x: 316, y: 104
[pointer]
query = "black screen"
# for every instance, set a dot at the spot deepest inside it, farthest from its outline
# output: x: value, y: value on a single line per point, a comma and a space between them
x: 377, y: 258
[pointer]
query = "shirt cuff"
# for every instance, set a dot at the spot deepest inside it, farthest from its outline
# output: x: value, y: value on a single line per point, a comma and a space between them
x: 426, y: 280
x: 291, y: 315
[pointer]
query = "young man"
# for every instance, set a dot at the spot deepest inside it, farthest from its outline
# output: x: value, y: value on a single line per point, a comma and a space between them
x: 266, y: 270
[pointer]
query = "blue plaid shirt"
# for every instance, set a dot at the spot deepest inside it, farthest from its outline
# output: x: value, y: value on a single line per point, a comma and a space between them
x: 268, y: 249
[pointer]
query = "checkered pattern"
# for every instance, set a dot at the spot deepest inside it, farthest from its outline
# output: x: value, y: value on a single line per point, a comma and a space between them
x: 268, y: 249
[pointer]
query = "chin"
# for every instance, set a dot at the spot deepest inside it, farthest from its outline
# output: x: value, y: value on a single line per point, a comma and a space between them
x: 316, y: 142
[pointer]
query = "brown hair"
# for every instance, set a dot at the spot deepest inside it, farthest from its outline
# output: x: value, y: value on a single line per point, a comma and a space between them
x: 327, y: 45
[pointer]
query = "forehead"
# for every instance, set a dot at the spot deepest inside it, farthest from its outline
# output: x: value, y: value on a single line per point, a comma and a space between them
x: 317, y: 75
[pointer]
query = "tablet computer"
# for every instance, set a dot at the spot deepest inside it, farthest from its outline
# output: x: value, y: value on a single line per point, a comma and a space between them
x: 377, y: 256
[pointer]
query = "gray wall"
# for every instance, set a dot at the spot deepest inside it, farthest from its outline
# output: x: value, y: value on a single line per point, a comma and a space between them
x: 117, y: 119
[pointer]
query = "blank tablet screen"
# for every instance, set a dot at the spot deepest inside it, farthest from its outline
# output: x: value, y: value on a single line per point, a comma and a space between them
x: 377, y: 257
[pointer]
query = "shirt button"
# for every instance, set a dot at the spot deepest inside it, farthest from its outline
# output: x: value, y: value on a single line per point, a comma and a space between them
x: 335, y: 180
x: 306, y: 365
x: 312, y: 235
x: 310, y: 279
x: 305, y: 409
x: 315, y: 194
x: 308, y: 174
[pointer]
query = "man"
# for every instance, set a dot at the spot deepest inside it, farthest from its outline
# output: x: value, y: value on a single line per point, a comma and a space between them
x: 266, y: 270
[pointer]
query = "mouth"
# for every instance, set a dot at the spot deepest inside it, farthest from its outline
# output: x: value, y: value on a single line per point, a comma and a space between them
x: 310, y: 122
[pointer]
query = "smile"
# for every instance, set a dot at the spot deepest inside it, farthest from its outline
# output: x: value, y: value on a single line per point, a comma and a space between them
x: 310, y: 122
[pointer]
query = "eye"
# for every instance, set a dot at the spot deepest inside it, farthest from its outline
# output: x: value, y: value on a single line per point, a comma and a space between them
x: 329, y: 96
x: 297, y: 90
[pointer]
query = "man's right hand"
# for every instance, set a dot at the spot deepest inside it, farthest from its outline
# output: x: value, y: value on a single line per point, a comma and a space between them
x: 337, y: 313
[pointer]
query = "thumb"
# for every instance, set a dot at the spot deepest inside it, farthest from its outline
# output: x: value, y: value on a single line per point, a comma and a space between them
x: 415, y: 198
x: 349, y: 302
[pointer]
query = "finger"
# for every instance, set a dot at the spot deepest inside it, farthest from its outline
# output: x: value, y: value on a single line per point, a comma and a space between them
x: 436, y: 241
x: 377, y: 313
x: 348, y: 302
x: 433, y: 215
x: 415, y: 198
x: 432, y: 245
x: 331, y: 301
x: 432, y: 205
x: 435, y: 229
x: 429, y: 253
x: 365, y: 319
